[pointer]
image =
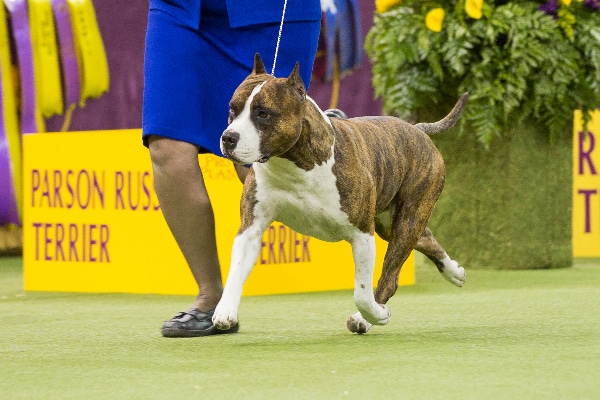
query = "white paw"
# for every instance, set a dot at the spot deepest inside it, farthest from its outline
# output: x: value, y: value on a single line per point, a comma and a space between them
x: 357, y: 324
x: 379, y: 314
x: 224, y: 317
x: 384, y: 316
x: 454, y: 273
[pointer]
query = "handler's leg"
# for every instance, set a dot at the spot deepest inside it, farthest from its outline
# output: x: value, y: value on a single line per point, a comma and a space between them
x: 242, y: 171
x: 184, y: 201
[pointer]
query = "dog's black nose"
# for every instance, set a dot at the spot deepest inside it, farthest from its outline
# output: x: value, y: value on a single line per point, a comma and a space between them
x: 230, y: 139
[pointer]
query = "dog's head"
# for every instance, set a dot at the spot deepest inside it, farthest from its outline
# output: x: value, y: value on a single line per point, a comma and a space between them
x: 265, y: 116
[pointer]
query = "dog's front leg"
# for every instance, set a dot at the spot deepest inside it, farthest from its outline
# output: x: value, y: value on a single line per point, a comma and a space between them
x: 246, y: 247
x: 370, y: 312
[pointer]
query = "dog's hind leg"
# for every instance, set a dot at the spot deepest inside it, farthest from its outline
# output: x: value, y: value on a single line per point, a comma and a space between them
x: 413, y: 209
x: 449, y: 268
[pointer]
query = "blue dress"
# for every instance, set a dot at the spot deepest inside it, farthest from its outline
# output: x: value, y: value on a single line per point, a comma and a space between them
x: 199, y: 51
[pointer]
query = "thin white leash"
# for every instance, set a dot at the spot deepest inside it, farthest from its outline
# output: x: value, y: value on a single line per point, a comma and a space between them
x: 279, y: 38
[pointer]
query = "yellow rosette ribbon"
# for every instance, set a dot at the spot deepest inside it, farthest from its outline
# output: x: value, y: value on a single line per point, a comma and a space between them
x: 48, y: 90
x: 91, y: 56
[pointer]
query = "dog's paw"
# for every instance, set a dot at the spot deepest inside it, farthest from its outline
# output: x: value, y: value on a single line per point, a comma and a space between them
x: 454, y: 273
x: 384, y: 317
x: 379, y: 314
x: 224, y: 317
x: 357, y: 324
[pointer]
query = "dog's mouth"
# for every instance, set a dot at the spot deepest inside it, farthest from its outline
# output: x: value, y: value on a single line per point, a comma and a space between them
x: 230, y: 155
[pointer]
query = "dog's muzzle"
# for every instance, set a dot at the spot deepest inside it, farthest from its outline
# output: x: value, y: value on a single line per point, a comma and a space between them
x: 229, y: 140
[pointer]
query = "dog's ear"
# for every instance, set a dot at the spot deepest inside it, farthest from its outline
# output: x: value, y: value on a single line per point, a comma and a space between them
x: 259, y: 66
x: 295, y: 81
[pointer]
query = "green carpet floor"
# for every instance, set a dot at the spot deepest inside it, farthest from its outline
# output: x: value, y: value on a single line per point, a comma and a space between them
x: 505, y: 335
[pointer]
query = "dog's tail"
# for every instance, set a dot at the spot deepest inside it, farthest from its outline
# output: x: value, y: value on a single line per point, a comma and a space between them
x: 448, y: 121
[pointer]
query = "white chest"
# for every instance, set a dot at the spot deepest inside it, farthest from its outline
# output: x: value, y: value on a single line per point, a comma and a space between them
x: 306, y: 201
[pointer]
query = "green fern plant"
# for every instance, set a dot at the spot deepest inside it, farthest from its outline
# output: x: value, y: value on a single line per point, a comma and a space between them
x: 518, y: 60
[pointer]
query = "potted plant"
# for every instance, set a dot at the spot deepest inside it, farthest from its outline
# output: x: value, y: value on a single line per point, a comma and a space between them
x: 527, y: 66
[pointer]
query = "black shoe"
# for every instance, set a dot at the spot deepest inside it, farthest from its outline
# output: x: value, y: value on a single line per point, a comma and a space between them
x: 193, y: 323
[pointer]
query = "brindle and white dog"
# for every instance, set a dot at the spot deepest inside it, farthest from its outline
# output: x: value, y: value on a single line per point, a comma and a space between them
x: 334, y: 179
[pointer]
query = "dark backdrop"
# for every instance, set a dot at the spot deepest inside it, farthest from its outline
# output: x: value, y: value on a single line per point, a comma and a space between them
x: 123, y: 27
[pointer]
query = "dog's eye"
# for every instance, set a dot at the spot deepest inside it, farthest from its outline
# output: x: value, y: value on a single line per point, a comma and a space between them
x: 231, y: 115
x: 262, y: 114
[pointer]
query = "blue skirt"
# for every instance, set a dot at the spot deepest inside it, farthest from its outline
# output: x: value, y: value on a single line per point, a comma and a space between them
x: 190, y: 74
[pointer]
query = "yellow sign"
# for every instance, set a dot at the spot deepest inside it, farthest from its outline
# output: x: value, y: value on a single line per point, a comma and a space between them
x: 92, y: 223
x: 586, y: 188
